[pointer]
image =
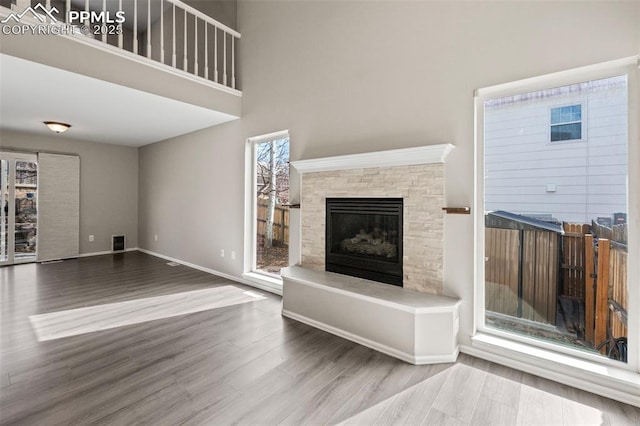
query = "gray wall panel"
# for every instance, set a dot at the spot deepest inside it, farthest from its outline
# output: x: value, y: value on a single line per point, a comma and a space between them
x: 58, y: 206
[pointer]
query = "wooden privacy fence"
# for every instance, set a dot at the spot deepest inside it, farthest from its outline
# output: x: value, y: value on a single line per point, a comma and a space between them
x: 528, y: 270
x: 501, y: 270
x: 280, y: 222
x: 573, y: 260
x: 606, y: 301
x: 521, y: 273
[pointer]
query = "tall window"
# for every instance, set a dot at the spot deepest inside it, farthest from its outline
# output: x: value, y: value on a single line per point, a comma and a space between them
x: 555, y: 252
x: 271, y: 204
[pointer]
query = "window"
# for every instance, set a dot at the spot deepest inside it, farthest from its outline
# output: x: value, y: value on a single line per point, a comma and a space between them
x: 553, y: 247
x: 566, y: 123
x: 18, y: 208
x: 270, y: 204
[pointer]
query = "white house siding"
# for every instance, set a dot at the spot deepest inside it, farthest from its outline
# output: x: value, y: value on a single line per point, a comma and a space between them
x: 590, y: 175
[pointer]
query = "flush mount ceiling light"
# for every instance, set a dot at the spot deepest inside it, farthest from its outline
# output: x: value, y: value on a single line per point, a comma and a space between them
x: 56, y: 126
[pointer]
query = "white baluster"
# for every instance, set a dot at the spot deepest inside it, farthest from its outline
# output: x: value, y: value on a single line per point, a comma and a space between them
x: 195, y: 44
x: 149, y: 29
x: 215, y: 54
x: 184, y: 61
x: 233, y: 62
x: 206, y: 50
x: 162, y: 31
x: 104, y: 33
x: 173, y: 55
x: 68, y: 7
x: 135, y: 26
x: 48, y: 4
x: 224, y: 65
x: 120, y: 36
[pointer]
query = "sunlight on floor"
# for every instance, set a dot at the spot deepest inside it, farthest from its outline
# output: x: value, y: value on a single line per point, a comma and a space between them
x: 73, y: 322
x: 465, y: 395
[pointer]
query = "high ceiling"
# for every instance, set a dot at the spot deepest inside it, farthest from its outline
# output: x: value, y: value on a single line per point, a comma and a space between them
x: 98, y: 111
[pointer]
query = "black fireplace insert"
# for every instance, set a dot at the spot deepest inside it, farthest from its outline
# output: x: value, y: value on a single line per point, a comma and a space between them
x: 364, y: 238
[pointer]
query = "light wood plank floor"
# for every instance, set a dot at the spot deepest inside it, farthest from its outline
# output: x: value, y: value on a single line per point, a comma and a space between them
x: 242, y: 363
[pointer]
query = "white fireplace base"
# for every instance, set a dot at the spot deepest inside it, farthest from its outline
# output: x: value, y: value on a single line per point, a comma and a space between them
x: 415, y: 327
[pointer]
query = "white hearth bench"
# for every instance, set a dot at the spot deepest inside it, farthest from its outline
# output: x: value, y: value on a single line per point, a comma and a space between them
x: 415, y: 327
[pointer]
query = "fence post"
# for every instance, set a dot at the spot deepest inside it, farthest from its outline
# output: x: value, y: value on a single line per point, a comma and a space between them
x: 520, y: 272
x: 589, y: 288
x: 602, y: 293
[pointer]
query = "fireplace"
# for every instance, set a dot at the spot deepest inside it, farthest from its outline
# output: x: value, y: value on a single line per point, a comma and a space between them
x: 364, y: 238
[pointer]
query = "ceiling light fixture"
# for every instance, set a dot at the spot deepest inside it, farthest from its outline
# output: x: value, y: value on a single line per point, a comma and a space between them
x: 56, y: 126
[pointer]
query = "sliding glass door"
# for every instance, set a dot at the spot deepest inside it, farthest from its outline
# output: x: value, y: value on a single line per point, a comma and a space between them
x: 18, y: 212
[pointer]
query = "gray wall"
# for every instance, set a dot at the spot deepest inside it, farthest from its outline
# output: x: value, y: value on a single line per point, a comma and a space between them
x: 192, y: 197
x: 351, y: 77
x: 108, y: 185
x: 223, y: 11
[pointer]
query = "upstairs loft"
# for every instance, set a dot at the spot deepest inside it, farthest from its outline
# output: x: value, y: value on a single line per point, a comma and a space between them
x: 161, y: 47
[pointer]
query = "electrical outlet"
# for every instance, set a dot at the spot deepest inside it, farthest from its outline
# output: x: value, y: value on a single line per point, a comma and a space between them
x: 222, y: 253
x: 233, y: 255
x: 91, y: 238
x: 155, y: 237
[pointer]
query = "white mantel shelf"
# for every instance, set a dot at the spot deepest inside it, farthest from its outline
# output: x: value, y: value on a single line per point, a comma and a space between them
x: 396, y: 157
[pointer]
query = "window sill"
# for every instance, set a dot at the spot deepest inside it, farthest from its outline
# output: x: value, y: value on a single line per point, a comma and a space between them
x: 611, y: 382
x: 264, y: 282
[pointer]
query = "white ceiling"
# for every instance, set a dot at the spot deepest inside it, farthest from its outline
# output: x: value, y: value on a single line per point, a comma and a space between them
x: 98, y: 111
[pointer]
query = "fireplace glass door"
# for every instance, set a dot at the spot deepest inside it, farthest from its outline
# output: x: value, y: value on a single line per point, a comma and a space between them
x: 364, y: 238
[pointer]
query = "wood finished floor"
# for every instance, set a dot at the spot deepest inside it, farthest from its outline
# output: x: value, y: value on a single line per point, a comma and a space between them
x: 238, y: 364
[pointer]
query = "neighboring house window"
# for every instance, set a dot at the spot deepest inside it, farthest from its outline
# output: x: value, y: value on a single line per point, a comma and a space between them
x: 566, y: 123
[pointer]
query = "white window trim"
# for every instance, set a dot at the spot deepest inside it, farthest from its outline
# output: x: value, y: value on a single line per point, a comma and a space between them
x: 583, y: 122
x: 615, y: 379
x: 261, y: 280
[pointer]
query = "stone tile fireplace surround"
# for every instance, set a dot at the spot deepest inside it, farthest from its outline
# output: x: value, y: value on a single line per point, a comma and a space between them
x: 414, y: 174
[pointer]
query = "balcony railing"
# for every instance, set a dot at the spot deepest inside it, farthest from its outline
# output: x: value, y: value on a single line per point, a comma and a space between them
x: 171, y: 33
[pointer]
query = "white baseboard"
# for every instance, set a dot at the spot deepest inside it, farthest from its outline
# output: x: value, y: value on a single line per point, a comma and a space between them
x: 100, y: 253
x: 212, y: 271
x: 411, y: 359
x: 618, y: 384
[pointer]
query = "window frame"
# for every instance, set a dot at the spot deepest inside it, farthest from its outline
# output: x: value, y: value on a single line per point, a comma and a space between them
x: 254, y: 277
x: 583, y: 128
x: 13, y: 157
x: 628, y: 67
